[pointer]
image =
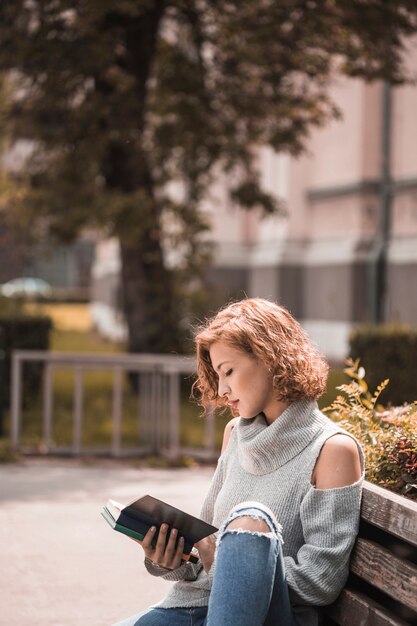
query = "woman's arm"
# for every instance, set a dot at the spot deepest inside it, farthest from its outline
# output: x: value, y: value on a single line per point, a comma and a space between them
x: 338, y: 464
x: 228, y: 433
x: 330, y: 513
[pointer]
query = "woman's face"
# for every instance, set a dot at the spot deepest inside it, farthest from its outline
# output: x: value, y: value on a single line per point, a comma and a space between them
x: 245, y: 382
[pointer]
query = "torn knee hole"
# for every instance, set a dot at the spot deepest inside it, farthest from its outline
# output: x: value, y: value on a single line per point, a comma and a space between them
x: 249, y: 523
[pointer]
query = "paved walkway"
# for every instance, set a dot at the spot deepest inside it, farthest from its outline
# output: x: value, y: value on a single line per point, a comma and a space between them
x: 60, y: 564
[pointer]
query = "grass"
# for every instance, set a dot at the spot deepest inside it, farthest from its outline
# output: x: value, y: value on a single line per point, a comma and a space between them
x: 73, y: 333
x: 98, y: 393
x: 65, y: 316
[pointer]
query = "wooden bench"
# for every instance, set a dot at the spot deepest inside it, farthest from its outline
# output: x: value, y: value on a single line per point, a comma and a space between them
x: 382, y: 586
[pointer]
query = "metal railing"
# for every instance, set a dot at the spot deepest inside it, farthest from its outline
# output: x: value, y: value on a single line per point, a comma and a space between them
x: 159, y: 398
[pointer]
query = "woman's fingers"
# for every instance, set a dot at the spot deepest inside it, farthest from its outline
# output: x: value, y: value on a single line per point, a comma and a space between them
x: 160, y: 545
x: 165, y: 552
x: 178, y: 553
x: 147, y: 542
x: 170, y: 546
x: 173, y: 553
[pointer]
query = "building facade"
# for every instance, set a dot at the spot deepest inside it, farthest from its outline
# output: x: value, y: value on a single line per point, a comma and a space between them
x: 351, y: 209
x: 351, y: 212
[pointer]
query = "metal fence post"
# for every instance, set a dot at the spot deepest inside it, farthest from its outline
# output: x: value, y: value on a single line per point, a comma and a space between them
x: 174, y: 414
x: 16, y: 400
x: 47, y: 405
x: 117, y: 411
x: 78, y: 411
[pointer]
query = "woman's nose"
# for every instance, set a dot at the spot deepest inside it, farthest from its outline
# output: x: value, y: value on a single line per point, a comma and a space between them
x: 223, y: 388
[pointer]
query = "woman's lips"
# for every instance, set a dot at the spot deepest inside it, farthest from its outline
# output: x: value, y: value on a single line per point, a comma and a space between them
x: 233, y: 403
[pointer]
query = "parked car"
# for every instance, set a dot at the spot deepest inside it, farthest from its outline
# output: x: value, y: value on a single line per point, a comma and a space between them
x: 31, y: 288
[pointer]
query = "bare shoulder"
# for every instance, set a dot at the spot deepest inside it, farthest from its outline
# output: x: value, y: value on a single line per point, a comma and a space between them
x: 227, y: 432
x: 339, y: 463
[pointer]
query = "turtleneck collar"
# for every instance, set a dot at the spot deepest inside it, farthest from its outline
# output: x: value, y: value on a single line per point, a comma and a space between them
x: 263, y: 448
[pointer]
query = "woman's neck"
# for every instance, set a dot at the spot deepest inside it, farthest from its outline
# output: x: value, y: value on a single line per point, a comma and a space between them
x: 272, y: 413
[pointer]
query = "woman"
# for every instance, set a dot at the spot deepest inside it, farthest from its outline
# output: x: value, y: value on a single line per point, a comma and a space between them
x: 286, y: 492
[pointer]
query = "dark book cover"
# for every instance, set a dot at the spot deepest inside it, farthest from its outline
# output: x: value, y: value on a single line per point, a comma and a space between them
x: 139, y: 515
x: 192, y: 556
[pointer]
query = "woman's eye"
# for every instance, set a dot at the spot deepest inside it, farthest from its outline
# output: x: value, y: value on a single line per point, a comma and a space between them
x: 229, y: 372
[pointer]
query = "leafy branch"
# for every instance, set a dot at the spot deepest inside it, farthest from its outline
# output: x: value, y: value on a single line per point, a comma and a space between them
x: 388, y: 435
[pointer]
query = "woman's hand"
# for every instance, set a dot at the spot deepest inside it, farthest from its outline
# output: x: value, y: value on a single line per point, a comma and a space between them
x: 164, y: 553
x: 206, y: 548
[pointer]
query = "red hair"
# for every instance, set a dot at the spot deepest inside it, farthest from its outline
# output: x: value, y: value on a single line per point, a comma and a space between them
x: 270, y: 334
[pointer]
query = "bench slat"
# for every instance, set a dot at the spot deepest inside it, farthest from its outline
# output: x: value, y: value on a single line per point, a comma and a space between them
x: 352, y: 608
x: 379, y: 567
x: 391, y: 512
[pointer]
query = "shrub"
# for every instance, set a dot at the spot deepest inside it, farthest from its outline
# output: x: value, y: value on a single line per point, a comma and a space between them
x: 388, y: 436
x: 23, y: 332
x: 388, y: 351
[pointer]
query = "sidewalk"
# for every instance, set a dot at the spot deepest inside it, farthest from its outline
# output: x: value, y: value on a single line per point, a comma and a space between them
x: 60, y: 564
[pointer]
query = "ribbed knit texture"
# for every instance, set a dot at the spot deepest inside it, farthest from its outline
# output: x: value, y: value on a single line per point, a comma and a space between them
x: 273, y: 465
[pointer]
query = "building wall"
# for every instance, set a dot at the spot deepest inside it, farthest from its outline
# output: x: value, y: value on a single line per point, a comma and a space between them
x: 318, y: 260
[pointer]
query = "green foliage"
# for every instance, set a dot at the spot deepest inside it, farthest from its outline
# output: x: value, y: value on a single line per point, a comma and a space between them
x: 388, y: 436
x: 22, y: 332
x: 122, y: 98
x: 388, y: 351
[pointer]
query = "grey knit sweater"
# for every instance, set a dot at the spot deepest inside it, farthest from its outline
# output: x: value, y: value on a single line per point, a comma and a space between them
x: 273, y: 465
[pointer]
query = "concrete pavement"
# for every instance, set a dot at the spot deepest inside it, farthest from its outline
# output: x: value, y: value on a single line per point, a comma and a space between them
x: 60, y: 563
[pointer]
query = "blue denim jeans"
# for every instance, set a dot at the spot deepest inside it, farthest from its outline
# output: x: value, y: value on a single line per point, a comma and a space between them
x: 168, y: 617
x: 249, y: 586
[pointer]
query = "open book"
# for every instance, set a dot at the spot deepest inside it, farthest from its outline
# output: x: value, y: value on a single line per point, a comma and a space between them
x: 135, y: 519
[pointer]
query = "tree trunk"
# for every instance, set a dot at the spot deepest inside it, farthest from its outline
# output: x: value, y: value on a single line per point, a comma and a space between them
x: 149, y: 301
x: 147, y: 285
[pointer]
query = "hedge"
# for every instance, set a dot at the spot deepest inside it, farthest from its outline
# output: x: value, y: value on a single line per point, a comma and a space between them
x: 388, y: 351
x: 23, y: 332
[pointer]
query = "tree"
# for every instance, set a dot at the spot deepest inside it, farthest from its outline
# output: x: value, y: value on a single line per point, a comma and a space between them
x: 122, y: 99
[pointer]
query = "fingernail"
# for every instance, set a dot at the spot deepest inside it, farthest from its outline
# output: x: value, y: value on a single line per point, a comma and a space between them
x: 153, y: 528
x: 174, y: 531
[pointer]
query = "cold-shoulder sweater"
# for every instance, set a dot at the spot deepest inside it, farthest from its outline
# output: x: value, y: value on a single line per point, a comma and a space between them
x: 273, y: 464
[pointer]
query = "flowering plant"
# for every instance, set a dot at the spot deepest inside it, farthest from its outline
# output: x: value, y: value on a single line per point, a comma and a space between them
x: 388, y: 434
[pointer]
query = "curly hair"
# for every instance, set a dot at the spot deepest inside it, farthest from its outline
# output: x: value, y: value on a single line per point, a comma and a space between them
x: 269, y: 333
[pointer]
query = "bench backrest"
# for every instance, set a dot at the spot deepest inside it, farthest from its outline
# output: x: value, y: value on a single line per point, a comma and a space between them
x: 382, y: 587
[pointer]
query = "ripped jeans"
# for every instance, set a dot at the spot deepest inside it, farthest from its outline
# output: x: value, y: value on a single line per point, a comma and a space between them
x: 249, y: 586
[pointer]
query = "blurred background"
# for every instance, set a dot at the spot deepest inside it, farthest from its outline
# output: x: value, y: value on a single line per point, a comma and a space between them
x: 161, y: 159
